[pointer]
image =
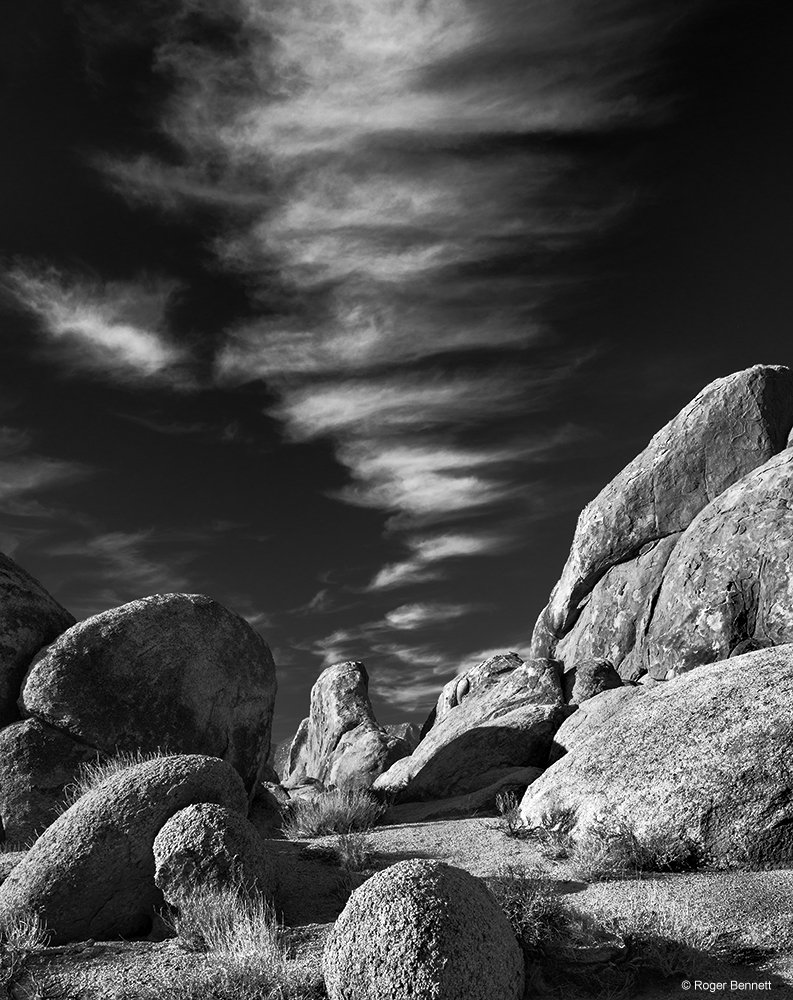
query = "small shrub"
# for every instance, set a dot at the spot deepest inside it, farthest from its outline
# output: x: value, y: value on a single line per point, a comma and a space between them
x: 538, y: 914
x: 508, y: 809
x: 339, y: 810
x: 614, y: 850
x: 20, y: 934
x: 244, y: 957
x: 554, y: 834
x: 666, y: 937
x: 353, y: 852
x: 92, y: 774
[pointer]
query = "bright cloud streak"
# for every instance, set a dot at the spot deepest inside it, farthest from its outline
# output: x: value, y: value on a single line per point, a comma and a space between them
x: 109, y: 327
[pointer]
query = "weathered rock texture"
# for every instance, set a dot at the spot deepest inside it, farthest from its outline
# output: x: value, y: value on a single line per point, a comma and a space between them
x: 173, y: 671
x: 703, y: 760
x: 341, y: 742
x: 592, y: 713
x: 423, y: 930
x: 626, y: 539
x: 91, y: 873
x: 29, y: 619
x: 209, y: 846
x: 589, y: 678
x: 507, y: 721
x: 36, y: 764
x: 729, y: 581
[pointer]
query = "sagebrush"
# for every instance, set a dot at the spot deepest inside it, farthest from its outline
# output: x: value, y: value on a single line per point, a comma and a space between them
x: 338, y: 810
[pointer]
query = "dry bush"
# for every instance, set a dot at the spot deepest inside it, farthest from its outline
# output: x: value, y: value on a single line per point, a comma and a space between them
x: 554, y: 834
x: 353, y: 852
x: 571, y: 954
x: 339, y: 810
x: 244, y: 958
x: 20, y: 934
x: 537, y: 912
x: 613, y: 849
x: 92, y: 774
x: 508, y: 809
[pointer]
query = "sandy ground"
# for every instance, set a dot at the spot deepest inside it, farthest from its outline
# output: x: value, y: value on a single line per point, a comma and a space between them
x: 753, y: 910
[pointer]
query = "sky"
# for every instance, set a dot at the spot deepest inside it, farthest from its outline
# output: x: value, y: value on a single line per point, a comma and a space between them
x: 339, y: 311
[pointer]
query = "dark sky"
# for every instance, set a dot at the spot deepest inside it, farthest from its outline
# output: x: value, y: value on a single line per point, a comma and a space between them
x: 340, y: 310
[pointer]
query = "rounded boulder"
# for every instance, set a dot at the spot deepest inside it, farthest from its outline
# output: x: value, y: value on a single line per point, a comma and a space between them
x: 426, y: 931
x: 91, y: 873
x: 208, y: 845
x: 177, y: 672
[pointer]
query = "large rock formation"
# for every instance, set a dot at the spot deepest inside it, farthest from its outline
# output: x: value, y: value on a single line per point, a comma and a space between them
x: 341, y: 742
x: 627, y: 538
x: 703, y: 760
x: 729, y: 582
x: 37, y: 763
x: 502, y: 723
x: 174, y: 671
x: 29, y: 619
x: 91, y: 874
x: 423, y: 930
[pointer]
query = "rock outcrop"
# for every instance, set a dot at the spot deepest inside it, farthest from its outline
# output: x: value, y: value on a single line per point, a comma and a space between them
x: 729, y: 581
x: 423, y: 930
x: 507, y: 721
x: 704, y: 760
x: 209, y: 846
x: 173, y: 671
x: 628, y: 537
x: 29, y: 619
x: 91, y: 873
x: 589, y: 678
x: 37, y: 763
x: 340, y: 742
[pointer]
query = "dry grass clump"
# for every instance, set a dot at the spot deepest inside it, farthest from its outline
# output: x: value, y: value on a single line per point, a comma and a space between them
x: 353, y: 852
x: 339, y: 810
x: 245, y: 958
x: 611, y: 850
x: 21, y: 934
x: 92, y: 774
x: 570, y: 954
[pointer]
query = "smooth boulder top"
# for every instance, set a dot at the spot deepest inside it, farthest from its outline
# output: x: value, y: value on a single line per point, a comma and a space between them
x: 172, y: 671
x: 341, y: 741
x: 30, y: 618
x: 703, y: 759
x: 733, y: 426
x: 423, y: 930
x: 91, y: 874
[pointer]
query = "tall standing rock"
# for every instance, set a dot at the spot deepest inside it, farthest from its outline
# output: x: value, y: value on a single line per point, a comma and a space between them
x: 29, y: 619
x: 605, y: 597
x: 341, y: 742
x: 172, y: 671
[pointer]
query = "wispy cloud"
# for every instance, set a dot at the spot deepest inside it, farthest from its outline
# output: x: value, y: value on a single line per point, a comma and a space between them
x: 112, y: 328
x: 115, y: 567
x: 428, y: 553
x: 397, y: 204
x: 25, y: 476
x: 417, y: 616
